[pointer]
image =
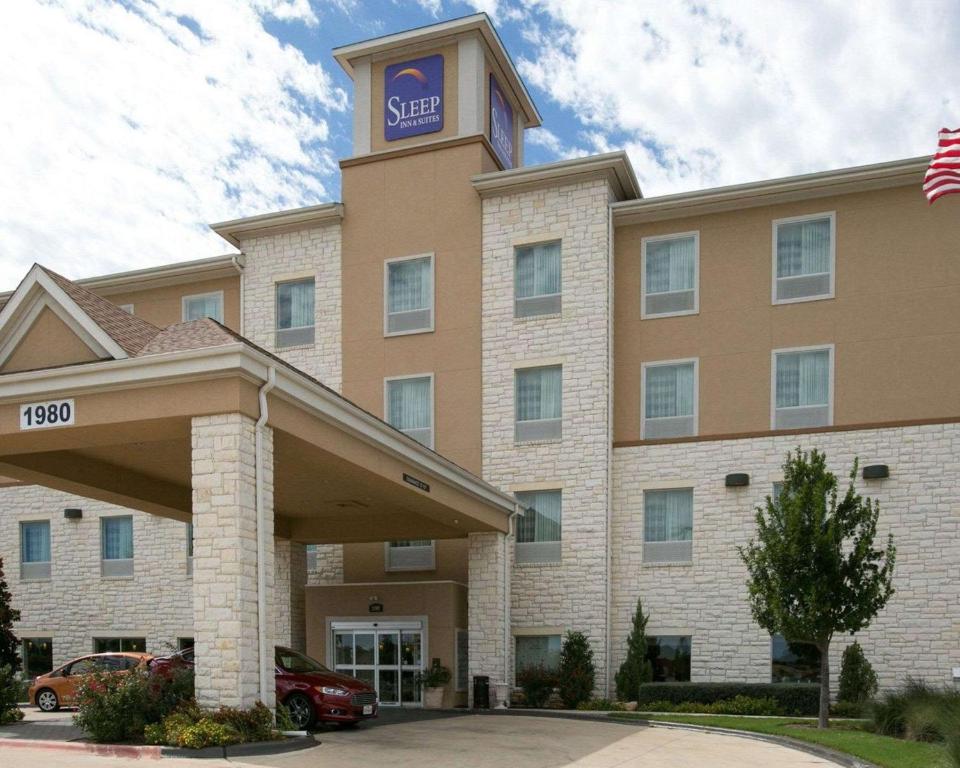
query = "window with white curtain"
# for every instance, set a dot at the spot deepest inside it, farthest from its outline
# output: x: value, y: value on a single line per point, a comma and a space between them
x: 669, y: 399
x: 201, y: 305
x: 35, y: 549
x: 539, y: 395
x: 668, y: 526
x: 408, y: 292
x: 295, y: 313
x: 116, y: 546
x: 409, y: 407
x: 537, y: 280
x: 538, y: 528
x: 537, y: 651
x: 669, y: 274
x: 802, y: 388
x: 803, y: 258
x: 410, y: 555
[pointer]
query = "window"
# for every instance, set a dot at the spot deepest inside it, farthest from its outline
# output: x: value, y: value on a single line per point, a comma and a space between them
x: 536, y: 280
x: 119, y: 645
x: 670, y: 399
x: 408, y: 288
x: 538, y: 528
x: 116, y: 546
x: 37, y: 655
x: 463, y: 659
x: 669, y: 275
x: 803, y: 258
x: 802, y: 388
x: 410, y: 555
x: 537, y: 650
x: 668, y: 526
x: 311, y: 558
x: 184, y: 642
x: 669, y: 657
x: 295, y: 313
x: 189, y: 549
x: 539, y: 393
x: 793, y: 662
x: 35, y: 549
x: 128, y: 308
x: 203, y: 305
x: 409, y: 406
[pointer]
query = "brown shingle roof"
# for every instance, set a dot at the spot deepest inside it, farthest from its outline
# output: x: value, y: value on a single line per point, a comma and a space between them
x: 195, y: 334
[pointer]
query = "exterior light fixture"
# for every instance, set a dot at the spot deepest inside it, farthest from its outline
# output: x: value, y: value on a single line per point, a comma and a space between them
x: 73, y: 514
x: 876, y: 472
x: 737, y: 480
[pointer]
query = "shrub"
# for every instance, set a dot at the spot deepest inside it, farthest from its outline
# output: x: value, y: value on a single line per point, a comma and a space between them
x: 436, y: 676
x: 858, y: 681
x: 600, y: 705
x: 919, y: 712
x: 10, y: 689
x: 254, y: 724
x: 793, y: 699
x: 284, y: 721
x: 846, y: 709
x: 636, y: 668
x: 577, y: 672
x: 738, y: 705
x: 537, y: 683
x: 206, y: 732
x: 195, y: 728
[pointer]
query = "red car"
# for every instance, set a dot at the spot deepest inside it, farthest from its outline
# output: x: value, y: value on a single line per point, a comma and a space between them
x: 308, y: 690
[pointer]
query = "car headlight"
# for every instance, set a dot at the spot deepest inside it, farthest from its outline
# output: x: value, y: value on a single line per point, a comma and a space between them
x: 330, y: 691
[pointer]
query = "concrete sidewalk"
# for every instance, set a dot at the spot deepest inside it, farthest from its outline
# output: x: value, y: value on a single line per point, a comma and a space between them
x: 43, y: 726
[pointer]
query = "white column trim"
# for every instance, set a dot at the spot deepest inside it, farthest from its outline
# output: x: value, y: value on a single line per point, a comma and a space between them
x: 361, y: 107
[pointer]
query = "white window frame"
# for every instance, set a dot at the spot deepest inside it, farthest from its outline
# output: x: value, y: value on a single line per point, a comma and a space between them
x: 188, y: 297
x: 773, y: 381
x: 644, y: 315
x: 35, y: 570
x: 832, y: 215
x: 653, y: 546
x: 128, y: 308
x: 433, y: 294
x: 433, y: 412
x: 277, y: 330
x: 429, y: 566
x: 696, y: 393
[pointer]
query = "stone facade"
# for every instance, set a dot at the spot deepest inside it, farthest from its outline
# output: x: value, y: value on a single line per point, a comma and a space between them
x: 917, y: 634
x: 324, y: 565
x: 572, y: 593
x: 489, y: 593
x: 289, y: 596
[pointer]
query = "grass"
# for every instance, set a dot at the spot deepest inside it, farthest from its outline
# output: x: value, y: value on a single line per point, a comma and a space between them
x: 849, y: 737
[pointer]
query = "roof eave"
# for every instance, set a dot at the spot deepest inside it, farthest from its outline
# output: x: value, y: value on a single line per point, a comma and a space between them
x: 236, y: 230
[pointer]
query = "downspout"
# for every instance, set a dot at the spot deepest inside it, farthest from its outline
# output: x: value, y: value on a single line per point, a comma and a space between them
x: 264, y: 654
x: 237, y: 265
x: 608, y: 559
x: 517, y: 510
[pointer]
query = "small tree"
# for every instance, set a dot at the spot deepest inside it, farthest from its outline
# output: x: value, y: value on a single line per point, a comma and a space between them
x: 813, y: 569
x: 858, y: 681
x: 576, y: 671
x: 9, y: 645
x: 636, y: 668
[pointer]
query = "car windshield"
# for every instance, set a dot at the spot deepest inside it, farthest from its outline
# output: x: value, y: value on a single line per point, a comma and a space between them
x: 291, y: 661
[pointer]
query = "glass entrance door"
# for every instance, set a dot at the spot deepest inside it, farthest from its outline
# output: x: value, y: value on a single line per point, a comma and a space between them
x: 387, y: 659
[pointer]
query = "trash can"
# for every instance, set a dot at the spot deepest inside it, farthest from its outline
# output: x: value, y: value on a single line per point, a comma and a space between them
x: 481, y: 692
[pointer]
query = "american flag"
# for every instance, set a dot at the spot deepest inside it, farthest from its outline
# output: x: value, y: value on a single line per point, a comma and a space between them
x: 943, y: 175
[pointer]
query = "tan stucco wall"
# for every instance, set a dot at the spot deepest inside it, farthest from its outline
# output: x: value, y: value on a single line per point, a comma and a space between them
x: 48, y: 344
x: 163, y: 306
x: 450, y: 105
x: 366, y: 562
x: 895, y: 320
x: 444, y: 604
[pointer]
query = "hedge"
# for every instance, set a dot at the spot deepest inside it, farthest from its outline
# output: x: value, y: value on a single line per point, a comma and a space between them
x: 796, y: 699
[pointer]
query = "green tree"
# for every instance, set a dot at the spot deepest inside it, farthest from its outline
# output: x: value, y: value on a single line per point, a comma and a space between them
x: 858, y: 681
x: 576, y: 672
x: 813, y: 568
x: 636, y: 668
x: 9, y: 645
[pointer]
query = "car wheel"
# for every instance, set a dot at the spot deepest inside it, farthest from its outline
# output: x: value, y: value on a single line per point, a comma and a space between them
x: 301, y: 711
x: 47, y: 701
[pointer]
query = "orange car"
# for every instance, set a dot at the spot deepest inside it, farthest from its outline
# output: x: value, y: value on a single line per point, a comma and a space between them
x: 58, y: 689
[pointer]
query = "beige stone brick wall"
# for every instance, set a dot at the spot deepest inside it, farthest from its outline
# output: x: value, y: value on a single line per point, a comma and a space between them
x: 289, y: 606
x: 489, y: 591
x: 325, y: 565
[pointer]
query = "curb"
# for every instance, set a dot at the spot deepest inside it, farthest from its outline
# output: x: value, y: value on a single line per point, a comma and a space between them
x: 102, y: 750
x: 138, y: 752
x: 244, y: 750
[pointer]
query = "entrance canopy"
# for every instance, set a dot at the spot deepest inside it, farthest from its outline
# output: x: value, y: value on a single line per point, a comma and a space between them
x: 99, y: 403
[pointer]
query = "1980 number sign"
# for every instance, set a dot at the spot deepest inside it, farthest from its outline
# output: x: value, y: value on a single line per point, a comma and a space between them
x: 55, y: 413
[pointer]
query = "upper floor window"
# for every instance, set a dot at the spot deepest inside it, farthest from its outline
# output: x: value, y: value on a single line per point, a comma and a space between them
x: 410, y: 555
x: 295, y: 313
x: 803, y: 258
x: 408, y: 288
x: 116, y: 546
x: 537, y: 280
x: 409, y: 406
x: 669, y: 399
x: 668, y: 526
x: 670, y: 275
x: 128, y: 308
x: 539, y: 396
x: 35, y: 549
x: 538, y: 528
x: 202, y: 305
x: 802, y: 388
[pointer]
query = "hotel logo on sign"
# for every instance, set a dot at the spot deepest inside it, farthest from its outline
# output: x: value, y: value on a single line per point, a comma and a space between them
x: 501, y: 124
x: 413, y: 98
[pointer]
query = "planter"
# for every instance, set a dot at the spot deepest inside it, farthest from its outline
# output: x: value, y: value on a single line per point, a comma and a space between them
x: 432, y: 698
x: 503, y: 696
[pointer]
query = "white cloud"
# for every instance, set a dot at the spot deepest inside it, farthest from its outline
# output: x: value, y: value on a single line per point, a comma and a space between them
x: 433, y: 7
x: 125, y: 129
x: 725, y: 92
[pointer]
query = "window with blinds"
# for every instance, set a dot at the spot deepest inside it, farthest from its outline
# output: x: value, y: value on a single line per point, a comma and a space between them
x: 116, y: 546
x: 410, y: 555
x: 538, y: 396
x: 409, y: 407
x: 802, y: 388
x: 670, y: 275
x: 538, y: 528
x: 668, y: 526
x: 669, y: 399
x: 35, y: 550
x: 537, y: 280
x: 295, y: 319
x: 201, y: 305
x: 804, y: 251
x: 408, y: 295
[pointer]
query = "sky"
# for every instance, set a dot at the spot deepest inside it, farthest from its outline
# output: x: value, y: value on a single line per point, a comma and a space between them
x: 127, y: 127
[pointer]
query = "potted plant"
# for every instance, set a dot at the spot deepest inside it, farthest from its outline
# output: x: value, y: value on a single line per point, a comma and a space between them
x: 432, y: 681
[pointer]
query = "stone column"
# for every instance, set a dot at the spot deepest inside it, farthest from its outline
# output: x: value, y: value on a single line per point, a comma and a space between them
x: 289, y: 594
x: 488, y: 606
x: 225, y: 605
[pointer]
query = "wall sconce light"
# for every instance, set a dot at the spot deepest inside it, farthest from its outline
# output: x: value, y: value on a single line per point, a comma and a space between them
x: 737, y: 480
x: 876, y: 472
x: 73, y: 514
